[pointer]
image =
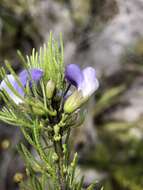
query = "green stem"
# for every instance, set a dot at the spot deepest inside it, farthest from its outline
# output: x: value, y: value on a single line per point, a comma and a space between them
x: 61, y: 176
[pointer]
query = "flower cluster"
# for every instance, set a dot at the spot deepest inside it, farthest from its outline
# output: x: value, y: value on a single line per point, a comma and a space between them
x: 44, y: 100
x: 85, y: 81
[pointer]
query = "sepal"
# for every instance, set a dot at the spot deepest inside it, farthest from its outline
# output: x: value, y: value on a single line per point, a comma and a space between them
x: 73, y: 102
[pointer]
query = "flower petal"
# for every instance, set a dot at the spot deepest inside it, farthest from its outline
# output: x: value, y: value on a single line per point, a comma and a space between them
x: 74, y: 74
x: 12, y: 81
x: 90, y: 82
x: 36, y: 75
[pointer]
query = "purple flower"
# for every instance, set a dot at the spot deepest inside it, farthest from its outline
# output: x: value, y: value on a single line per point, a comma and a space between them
x: 33, y: 74
x: 24, y: 77
x: 85, y: 80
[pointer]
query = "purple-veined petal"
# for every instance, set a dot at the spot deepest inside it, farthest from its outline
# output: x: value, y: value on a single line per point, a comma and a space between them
x: 12, y: 81
x: 74, y: 74
x: 90, y: 82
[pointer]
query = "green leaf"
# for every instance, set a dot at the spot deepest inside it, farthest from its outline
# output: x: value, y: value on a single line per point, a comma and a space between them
x: 73, y: 167
x: 40, y: 150
x: 80, y: 184
x: 108, y: 99
x: 30, y: 160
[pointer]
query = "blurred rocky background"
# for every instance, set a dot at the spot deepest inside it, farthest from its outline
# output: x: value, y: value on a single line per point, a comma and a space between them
x: 108, y: 35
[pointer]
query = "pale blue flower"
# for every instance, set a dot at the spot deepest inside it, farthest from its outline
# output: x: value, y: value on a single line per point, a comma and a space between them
x: 85, y: 80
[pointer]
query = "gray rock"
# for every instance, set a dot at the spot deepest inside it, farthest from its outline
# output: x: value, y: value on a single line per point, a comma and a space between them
x: 120, y: 33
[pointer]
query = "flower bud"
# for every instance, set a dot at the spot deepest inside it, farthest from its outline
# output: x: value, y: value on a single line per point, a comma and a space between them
x: 50, y: 89
x: 73, y: 102
x: 36, y: 106
x: 57, y: 136
x: 38, y: 111
x: 55, y: 157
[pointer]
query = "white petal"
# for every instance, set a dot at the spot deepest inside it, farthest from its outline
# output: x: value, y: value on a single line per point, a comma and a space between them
x: 90, y: 83
x: 4, y: 86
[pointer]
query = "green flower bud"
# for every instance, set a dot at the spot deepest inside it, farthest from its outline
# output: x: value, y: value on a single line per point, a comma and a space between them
x: 73, y: 102
x: 35, y: 102
x: 38, y: 111
x: 64, y: 148
x: 56, y: 129
x: 57, y: 136
x: 64, y: 169
x: 37, y: 106
x: 55, y: 156
x: 50, y: 89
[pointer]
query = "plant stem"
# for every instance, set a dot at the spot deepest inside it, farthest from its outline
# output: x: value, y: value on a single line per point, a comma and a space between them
x: 59, y: 151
